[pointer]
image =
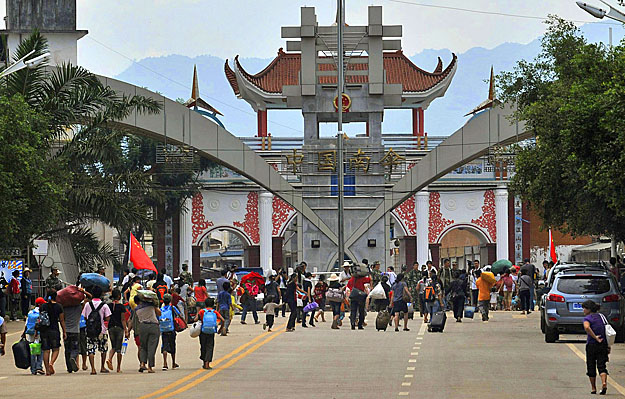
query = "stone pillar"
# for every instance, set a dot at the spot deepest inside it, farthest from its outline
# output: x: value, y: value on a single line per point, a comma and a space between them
x: 422, y: 212
x: 265, y: 213
x: 186, y: 234
x: 501, y: 222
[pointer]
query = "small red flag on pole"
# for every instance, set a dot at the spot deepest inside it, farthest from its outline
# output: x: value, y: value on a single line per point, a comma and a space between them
x: 552, y: 249
x: 138, y: 257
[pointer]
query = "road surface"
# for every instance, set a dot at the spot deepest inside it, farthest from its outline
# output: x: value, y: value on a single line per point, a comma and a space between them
x: 505, y: 358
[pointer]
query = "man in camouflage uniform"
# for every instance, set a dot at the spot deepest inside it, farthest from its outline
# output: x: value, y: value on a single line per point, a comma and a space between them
x: 412, y: 278
x: 185, y: 276
x: 376, y: 274
x: 52, y: 281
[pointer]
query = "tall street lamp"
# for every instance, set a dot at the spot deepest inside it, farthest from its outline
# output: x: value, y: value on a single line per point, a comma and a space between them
x: 24, y: 63
x: 597, y: 12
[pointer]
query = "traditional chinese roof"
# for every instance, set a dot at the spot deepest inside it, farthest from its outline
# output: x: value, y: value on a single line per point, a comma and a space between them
x: 284, y: 70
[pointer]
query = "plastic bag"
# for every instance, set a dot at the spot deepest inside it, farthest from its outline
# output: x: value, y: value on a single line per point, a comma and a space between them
x: 310, y: 307
x: 378, y: 292
x: 196, y: 329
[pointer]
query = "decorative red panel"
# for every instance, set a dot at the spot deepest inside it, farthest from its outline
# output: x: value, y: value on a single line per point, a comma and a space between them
x: 250, y: 223
x: 281, y: 213
x: 437, y: 221
x: 198, y: 222
x: 406, y: 214
x: 488, y: 220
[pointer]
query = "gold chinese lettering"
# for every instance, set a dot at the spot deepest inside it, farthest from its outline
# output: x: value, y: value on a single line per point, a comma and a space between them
x: 360, y: 160
x: 294, y: 160
x: 391, y: 159
x: 327, y: 161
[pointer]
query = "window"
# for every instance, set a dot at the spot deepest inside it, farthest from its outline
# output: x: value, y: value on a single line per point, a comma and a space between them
x: 349, y: 185
x: 584, y: 285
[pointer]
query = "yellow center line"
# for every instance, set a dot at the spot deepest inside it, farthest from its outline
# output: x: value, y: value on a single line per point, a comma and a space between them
x: 225, y: 366
x: 611, y: 381
x: 201, y: 371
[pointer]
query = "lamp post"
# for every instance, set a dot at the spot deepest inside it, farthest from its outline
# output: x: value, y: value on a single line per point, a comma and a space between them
x: 598, y: 12
x: 339, y: 137
x: 24, y: 63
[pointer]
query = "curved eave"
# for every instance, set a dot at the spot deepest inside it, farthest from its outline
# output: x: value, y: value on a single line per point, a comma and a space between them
x: 446, y: 75
x: 232, y: 79
x: 424, y: 98
x: 257, y: 97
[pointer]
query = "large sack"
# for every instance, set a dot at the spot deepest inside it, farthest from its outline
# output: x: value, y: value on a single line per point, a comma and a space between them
x: 489, y: 277
x: 70, y: 296
x: 148, y: 296
x: 94, y: 279
x: 377, y: 292
x: 21, y: 354
x: 382, y: 320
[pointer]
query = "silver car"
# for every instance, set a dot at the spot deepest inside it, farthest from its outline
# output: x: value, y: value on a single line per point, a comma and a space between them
x: 562, y: 312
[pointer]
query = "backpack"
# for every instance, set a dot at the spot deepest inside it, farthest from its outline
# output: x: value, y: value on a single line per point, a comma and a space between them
x: 508, y: 281
x: 209, y: 322
x: 334, y: 295
x: 430, y: 293
x: 94, y: 321
x: 31, y: 321
x: 161, y: 290
x: 15, y: 286
x: 43, y: 321
x: 166, y: 321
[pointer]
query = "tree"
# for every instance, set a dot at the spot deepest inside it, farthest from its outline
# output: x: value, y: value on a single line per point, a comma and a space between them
x: 572, y: 96
x: 32, y: 185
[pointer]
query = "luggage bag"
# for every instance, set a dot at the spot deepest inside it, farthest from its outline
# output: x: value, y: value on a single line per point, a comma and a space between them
x: 437, y: 324
x: 382, y: 320
x: 21, y: 354
x: 469, y: 311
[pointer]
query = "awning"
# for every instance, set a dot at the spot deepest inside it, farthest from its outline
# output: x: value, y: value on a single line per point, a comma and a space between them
x: 594, y: 247
x: 210, y: 255
x: 231, y: 253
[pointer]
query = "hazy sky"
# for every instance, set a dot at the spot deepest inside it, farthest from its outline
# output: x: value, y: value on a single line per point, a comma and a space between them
x: 142, y: 28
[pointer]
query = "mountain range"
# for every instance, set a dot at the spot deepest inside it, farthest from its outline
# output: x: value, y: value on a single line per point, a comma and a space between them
x: 172, y: 76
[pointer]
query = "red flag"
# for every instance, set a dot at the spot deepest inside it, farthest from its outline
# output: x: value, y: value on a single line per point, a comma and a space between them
x: 138, y: 257
x: 552, y: 249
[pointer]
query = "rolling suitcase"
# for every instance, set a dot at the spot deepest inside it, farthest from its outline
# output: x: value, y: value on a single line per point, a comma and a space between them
x: 382, y: 320
x: 437, y: 324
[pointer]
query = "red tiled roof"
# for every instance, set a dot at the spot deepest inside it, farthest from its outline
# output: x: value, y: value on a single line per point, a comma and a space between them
x: 284, y: 70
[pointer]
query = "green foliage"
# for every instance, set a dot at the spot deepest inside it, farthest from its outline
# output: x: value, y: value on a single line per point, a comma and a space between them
x: 88, y: 250
x: 32, y: 185
x: 75, y: 166
x: 572, y: 96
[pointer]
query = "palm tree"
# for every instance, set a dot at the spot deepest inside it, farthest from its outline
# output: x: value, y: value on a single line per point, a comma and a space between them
x: 102, y: 186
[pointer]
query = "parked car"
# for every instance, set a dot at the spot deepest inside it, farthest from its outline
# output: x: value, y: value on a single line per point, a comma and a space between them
x: 541, y: 293
x: 562, y: 312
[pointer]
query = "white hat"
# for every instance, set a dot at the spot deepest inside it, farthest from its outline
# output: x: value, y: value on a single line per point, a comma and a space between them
x: 347, y: 264
x: 333, y: 277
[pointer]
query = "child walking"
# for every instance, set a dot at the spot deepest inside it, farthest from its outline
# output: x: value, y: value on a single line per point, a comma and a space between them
x: 168, y: 331
x: 33, y: 337
x: 224, y: 302
x: 209, y: 318
x: 270, y: 309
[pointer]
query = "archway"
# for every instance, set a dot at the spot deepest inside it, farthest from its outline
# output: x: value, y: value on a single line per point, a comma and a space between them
x: 224, y: 247
x: 465, y: 242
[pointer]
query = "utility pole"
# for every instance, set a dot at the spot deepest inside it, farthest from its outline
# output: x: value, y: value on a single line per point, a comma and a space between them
x: 339, y: 137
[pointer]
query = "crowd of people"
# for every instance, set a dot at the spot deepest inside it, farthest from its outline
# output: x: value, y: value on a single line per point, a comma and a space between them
x: 153, y: 308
